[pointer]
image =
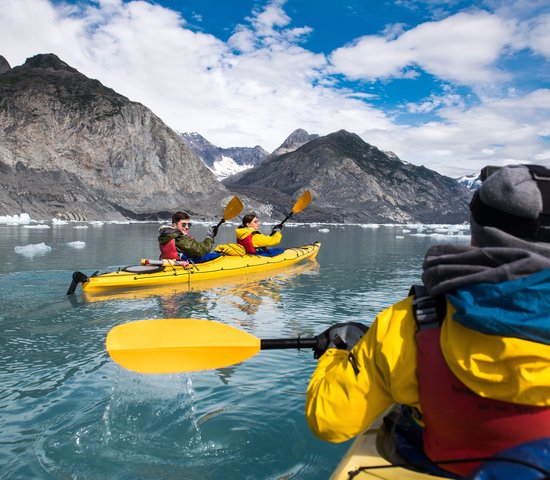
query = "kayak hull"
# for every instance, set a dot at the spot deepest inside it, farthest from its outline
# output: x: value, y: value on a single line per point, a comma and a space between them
x: 370, y: 449
x: 223, y: 266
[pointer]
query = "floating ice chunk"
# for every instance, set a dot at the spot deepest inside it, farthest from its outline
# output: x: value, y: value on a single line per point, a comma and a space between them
x: 324, y: 230
x: 33, y: 249
x: 370, y: 225
x: 96, y: 223
x: 57, y: 221
x: 22, y: 219
x: 37, y: 227
x: 77, y: 244
x: 399, y: 236
x: 81, y: 227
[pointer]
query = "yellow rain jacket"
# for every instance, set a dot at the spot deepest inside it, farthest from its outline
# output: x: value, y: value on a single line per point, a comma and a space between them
x: 341, y: 404
x: 259, y: 239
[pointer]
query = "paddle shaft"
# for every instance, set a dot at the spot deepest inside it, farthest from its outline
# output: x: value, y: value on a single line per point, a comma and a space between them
x: 286, y: 218
x: 233, y: 208
x: 300, y: 204
x: 284, y: 343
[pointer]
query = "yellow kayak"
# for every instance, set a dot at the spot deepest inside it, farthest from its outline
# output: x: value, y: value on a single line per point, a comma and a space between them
x: 176, y: 274
x: 236, y: 286
x: 368, y: 458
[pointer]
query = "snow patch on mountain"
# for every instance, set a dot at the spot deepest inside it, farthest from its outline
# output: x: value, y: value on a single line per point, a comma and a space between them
x: 471, y: 182
x: 226, y: 167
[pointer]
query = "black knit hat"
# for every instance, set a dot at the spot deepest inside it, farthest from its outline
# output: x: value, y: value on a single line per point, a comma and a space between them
x: 512, y: 209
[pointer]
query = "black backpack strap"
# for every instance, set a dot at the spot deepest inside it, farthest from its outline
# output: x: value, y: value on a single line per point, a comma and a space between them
x: 428, y: 311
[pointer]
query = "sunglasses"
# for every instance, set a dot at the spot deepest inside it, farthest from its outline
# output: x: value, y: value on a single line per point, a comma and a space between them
x: 186, y: 225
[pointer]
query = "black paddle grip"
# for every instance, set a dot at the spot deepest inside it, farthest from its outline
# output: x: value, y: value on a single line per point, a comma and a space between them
x: 282, y: 343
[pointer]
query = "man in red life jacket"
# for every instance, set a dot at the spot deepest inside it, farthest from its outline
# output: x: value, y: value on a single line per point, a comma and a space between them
x: 175, y: 243
x: 478, y: 371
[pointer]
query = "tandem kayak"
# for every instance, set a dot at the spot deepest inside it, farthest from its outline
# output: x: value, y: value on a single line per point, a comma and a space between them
x: 369, y: 458
x: 150, y: 275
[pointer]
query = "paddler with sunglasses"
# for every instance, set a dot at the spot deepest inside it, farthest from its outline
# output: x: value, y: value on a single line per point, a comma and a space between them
x: 175, y: 243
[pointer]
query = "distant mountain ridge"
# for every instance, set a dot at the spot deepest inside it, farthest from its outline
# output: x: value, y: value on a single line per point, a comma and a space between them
x: 353, y: 181
x: 73, y: 148
x: 223, y: 162
x: 471, y: 182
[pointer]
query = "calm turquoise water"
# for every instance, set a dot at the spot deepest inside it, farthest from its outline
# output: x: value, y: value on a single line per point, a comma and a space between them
x: 68, y: 412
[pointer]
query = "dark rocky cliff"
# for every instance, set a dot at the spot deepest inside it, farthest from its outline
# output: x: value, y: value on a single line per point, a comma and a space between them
x: 72, y: 148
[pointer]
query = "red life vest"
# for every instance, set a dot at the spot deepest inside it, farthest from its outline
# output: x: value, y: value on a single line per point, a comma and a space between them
x: 460, y: 424
x: 169, y: 251
x: 246, y: 242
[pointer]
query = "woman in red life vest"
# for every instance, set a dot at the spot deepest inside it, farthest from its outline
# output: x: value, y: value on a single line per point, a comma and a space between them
x: 478, y: 372
x: 175, y: 243
x: 249, y: 236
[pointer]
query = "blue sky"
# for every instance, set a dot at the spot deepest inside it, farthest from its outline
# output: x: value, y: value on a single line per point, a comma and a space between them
x: 452, y: 85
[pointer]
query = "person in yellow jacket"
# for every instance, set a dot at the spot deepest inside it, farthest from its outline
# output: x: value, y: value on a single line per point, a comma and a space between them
x: 479, y: 375
x: 249, y: 236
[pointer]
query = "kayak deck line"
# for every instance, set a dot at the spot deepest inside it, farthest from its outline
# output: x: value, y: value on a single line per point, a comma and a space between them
x: 225, y: 265
x: 369, y: 457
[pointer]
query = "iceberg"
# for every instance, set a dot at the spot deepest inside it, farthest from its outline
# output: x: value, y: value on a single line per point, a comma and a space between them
x: 22, y: 219
x: 40, y: 226
x: 33, y: 249
x: 57, y: 221
x: 77, y: 244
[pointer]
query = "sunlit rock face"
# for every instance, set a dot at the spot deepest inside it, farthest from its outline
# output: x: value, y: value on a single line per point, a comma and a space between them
x: 72, y: 147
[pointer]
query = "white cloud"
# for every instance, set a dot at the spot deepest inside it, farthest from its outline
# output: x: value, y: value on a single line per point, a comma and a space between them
x: 462, y: 48
x: 435, y: 102
x: 265, y: 29
x: 261, y: 84
x: 495, y: 132
x: 539, y: 35
x: 193, y: 81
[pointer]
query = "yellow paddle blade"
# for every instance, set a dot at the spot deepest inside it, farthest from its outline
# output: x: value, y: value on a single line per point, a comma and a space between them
x: 302, y: 202
x: 175, y: 345
x: 234, y: 207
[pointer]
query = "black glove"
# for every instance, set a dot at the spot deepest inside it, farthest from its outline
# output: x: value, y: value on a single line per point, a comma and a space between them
x: 342, y: 336
x: 212, y: 232
x: 276, y: 228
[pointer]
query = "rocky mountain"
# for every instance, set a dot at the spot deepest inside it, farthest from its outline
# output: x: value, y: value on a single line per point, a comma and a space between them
x: 352, y: 181
x: 295, y: 140
x: 4, y: 65
x: 72, y: 148
x: 471, y: 182
x: 223, y: 162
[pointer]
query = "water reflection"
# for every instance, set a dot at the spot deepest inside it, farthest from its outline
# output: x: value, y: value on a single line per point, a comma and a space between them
x: 68, y: 411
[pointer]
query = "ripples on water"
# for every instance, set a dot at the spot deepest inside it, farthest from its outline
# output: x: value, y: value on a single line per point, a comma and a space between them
x: 68, y: 412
